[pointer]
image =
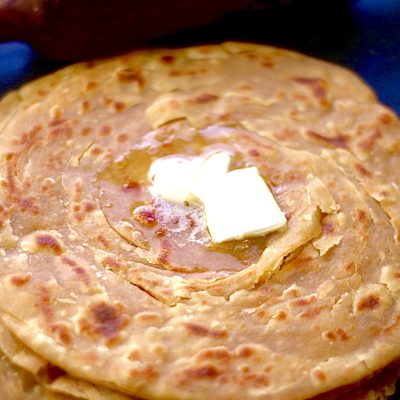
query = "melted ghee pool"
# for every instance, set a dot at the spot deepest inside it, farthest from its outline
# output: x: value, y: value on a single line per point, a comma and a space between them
x: 173, y: 236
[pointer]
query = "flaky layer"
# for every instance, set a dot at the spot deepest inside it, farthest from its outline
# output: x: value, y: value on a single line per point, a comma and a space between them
x: 115, y: 301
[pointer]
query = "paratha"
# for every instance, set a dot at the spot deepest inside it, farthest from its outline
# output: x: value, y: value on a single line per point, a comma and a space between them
x: 141, y: 303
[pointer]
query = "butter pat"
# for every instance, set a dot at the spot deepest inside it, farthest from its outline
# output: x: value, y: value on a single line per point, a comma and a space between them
x: 179, y: 179
x: 172, y: 177
x: 240, y: 205
x: 237, y: 204
x: 211, y: 170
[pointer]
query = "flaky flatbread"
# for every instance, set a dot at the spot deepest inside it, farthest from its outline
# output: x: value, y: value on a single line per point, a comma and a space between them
x: 143, y: 303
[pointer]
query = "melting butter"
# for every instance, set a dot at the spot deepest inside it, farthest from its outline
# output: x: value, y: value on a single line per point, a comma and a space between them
x: 237, y: 204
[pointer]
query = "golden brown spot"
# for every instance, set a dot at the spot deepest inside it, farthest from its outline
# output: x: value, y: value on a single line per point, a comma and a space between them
x: 21, y: 280
x: 302, y: 261
x: 103, y: 240
x: 36, y: 129
x: 245, y: 86
x: 244, y: 368
x: 216, y: 353
x: 107, y: 101
x: 91, y: 85
x: 148, y: 318
x: 82, y: 274
x: 105, y: 320
x: 78, y: 217
x: 204, y: 98
x: 369, y: 142
x: 130, y: 75
x: 268, y: 64
x: 175, y: 72
x: 68, y: 261
x: 10, y: 156
x: 55, y: 112
x: 362, y: 170
x: 361, y: 215
x: 119, y: 106
x: 43, y: 303
x: 85, y: 131
x: 342, y: 334
x: 253, y: 153
x: 368, y: 303
x: 145, y: 215
x: 61, y: 130
x: 281, y: 315
x: 225, y: 117
x: 88, y: 206
x: 86, y: 106
x: 112, y: 263
x: 339, y: 141
x: 386, y: 118
x: 28, y: 204
x: 330, y: 335
x: 200, y: 330
x: 293, y: 292
x: 267, y: 368
x: 167, y: 59
x: 285, y: 134
x: 257, y: 380
x: 131, y: 186
x: 317, y: 85
x: 63, y: 332
x: 304, y: 301
x: 57, y: 121
x: 96, y: 151
x: 245, y: 351
x: 146, y: 371
x: 260, y: 314
x: 251, y: 56
x: 338, y: 333
x: 49, y: 242
x: 161, y: 232
x: 105, y: 130
x: 320, y: 375
x: 313, y: 312
x: 79, y: 271
x: 204, y: 371
x: 350, y: 267
x: 205, y: 49
x: 122, y: 137
x: 135, y: 355
x: 56, y: 159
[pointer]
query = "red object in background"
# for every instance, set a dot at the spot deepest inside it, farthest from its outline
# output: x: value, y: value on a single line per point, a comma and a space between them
x: 75, y: 29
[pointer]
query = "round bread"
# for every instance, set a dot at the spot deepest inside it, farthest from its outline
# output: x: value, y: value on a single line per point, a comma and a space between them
x: 122, y: 290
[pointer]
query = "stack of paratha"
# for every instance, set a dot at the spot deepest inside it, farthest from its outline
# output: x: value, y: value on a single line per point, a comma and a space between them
x: 110, y: 292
